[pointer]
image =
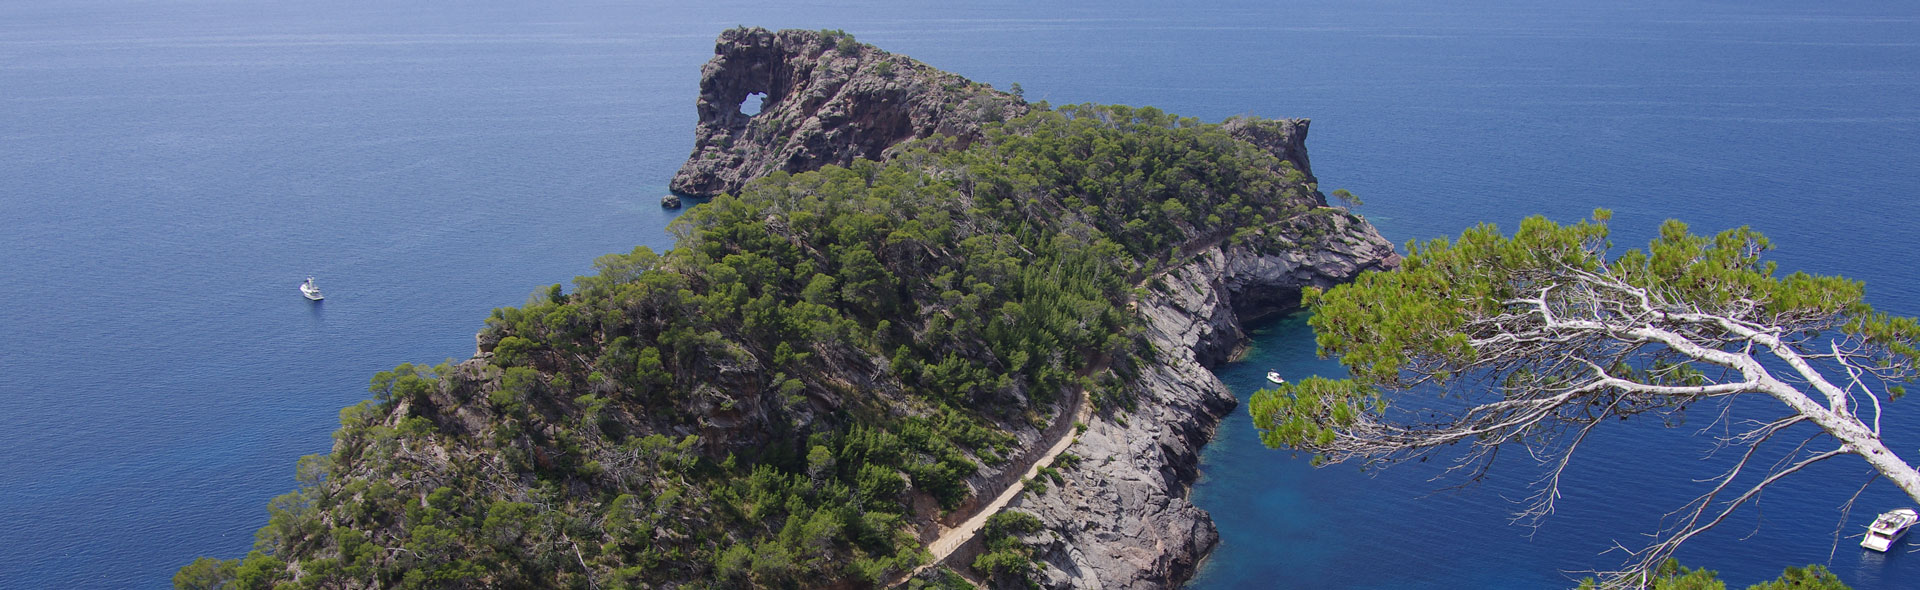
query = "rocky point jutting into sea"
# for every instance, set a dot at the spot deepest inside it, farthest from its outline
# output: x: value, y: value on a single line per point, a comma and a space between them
x: 1127, y: 524
x: 918, y: 291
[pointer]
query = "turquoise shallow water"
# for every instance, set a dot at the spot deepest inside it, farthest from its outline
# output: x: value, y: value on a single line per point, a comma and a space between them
x: 171, y: 169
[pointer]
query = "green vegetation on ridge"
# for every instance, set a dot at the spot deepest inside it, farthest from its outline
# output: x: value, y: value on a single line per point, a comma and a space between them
x: 819, y: 364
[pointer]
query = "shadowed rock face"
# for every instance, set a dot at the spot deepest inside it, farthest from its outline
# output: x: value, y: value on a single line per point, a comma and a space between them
x: 828, y: 100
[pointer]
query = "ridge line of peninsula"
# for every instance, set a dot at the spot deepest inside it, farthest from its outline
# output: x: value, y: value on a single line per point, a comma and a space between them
x: 905, y: 287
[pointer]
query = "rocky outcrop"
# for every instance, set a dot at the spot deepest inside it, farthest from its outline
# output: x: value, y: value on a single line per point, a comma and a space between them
x: 1122, y: 519
x: 827, y: 100
x: 1285, y: 138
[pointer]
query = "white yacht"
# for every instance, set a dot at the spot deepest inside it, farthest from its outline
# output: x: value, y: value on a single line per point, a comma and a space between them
x: 1274, y: 376
x: 311, y: 291
x: 1888, y: 528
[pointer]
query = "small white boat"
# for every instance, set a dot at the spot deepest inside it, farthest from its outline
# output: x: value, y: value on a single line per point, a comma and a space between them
x: 312, y: 292
x: 1274, y: 376
x: 1888, y: 528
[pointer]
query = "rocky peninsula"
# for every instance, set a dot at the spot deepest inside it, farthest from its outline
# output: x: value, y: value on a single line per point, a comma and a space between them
x: 1126, y: 524
x: 908, y: 294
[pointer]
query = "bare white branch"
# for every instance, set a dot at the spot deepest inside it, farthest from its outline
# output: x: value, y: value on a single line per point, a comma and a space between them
x: 1577, y: 346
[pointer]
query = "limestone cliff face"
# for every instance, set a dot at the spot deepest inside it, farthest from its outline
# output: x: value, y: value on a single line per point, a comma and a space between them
x: 829, y: 100
x: 1122, y: 520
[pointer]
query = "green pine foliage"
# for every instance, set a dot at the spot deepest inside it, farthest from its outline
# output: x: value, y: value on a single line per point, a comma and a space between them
x: 1536, y: 338
x: 1007, y: 559
x: 939, y: 578
x: 1673, y: 576
x: 1396, y: 330
x: 764, y: 405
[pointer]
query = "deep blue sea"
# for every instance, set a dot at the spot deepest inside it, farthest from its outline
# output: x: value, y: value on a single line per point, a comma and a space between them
x: 171, y: 169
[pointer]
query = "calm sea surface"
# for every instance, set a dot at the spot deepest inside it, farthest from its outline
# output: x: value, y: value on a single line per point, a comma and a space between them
x: 171, y: 169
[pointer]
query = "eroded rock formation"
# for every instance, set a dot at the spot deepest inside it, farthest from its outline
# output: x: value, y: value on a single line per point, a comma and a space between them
x: 828, y: 100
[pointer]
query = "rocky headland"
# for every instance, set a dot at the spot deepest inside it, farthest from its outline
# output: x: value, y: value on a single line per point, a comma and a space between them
x: 828, y: 100
x: 920, y: 291
x: 1124, y: 521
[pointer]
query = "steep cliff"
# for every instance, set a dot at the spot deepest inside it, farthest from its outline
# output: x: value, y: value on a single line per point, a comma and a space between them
x: 827, y: 100
x: 1121, y: 518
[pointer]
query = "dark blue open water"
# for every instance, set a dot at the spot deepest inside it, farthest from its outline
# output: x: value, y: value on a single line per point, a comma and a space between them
x: 171, y: 169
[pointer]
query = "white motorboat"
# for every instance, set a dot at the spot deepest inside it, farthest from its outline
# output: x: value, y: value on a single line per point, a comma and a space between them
x: 312, y: 292
x: 1888, y: 528
x: 1274, y: 376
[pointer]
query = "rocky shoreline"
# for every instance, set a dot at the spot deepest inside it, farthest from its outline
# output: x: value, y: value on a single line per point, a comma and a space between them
x: 1121, y: 519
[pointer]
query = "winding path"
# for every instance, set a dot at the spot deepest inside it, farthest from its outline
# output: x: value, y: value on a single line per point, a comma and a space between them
x: 951, y: 539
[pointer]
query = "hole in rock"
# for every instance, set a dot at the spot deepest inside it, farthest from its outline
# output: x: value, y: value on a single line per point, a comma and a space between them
x: 751, y: 106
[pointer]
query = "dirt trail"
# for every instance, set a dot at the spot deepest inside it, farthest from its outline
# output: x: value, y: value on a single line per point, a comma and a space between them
x: 951, y: 539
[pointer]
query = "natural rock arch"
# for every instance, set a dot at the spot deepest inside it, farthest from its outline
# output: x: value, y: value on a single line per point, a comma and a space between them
x: 828, y: 101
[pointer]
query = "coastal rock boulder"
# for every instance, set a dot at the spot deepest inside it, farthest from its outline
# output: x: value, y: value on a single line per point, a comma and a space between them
x: 826, y: 99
